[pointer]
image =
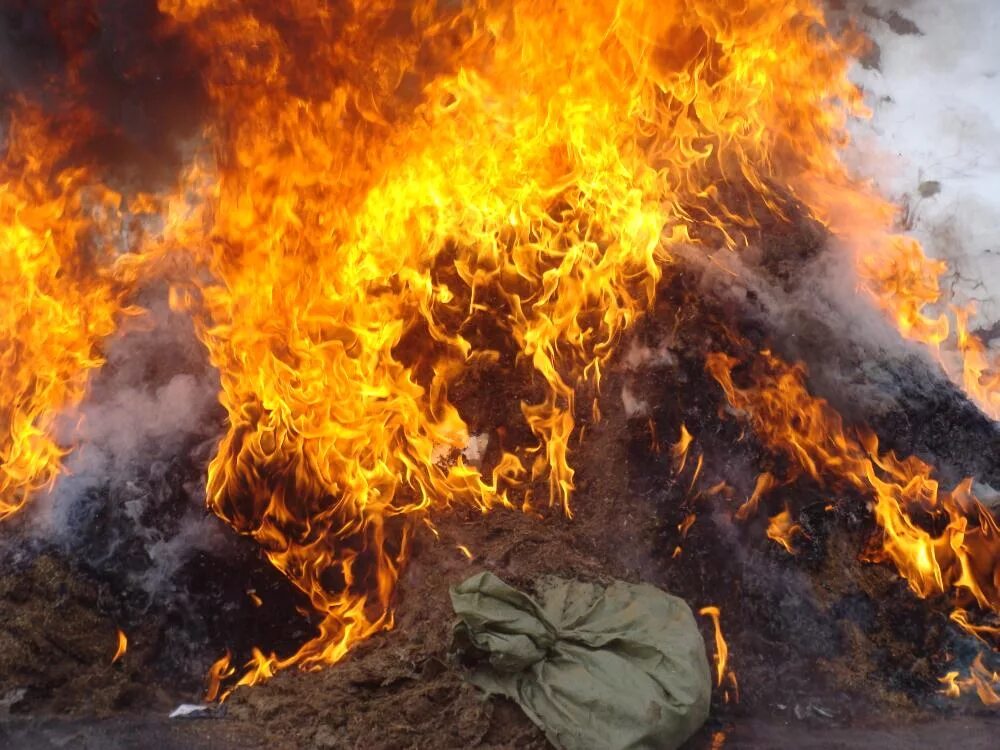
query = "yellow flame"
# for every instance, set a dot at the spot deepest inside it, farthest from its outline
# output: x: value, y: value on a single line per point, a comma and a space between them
x: 721, y: 648
x: 961, y: 556
x: 679, y: 450
x: 955, y: 550
x: 353, y: 227
x: 219, y: 671
x: 782, y: 529
x: 960, y: 616
x: 57, y: 300
x: 122, y: 646
x: 980, y: 680
x: 381, y: 181
x: 765, y: 483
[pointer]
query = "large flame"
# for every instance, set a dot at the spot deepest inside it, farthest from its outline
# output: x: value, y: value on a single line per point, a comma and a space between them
x: 57, y: 300
x: 390, y: 192
x: 533, y: 165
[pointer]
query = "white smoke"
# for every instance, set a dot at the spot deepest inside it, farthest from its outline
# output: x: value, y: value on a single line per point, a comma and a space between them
x: 636, y: 361
x: 935, y: 98
x: 133, y: 486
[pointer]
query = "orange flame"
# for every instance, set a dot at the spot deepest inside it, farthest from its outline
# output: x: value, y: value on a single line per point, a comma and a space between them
x: 679, y: 450
x: 962, y: 552
x: 981, y: 369
x: 219, y: 671
x: 685, y: 525
x: 721, y: 648
x: 378, y: 178
x: 351, y: 227
x: 122, y: 646
x: 764, y: 484
x: 896, y: 274
x: 782, y: 529
x: 940, y: 542
x: 961, y: 617
x: 58, y: 300
x: 982, y: 681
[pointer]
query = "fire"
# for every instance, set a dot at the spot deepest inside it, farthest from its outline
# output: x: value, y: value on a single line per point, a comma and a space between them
x: 941, y: 542
x: 684, y: 526
x: 981, y: 369
x: 900, y: 279
x: 764, y: 484
x: 219, y: 671
x: 782, y: 529
x: 379, y: 184
x: 721, y: 647
x: 460, y: 163
x: 981, y: 681
x: 961, y: 617
x: 59, y: 301
x: 679, y: 450
x: 122, y: 646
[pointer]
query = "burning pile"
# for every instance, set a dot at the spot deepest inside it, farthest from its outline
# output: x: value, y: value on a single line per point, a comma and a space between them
x: 385, y: 195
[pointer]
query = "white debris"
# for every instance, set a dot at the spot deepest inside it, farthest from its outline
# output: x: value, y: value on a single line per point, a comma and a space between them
x: 638, y: 355
x: 191, y: 711
x: 476, y: 448
x: 10, y: 699
x: 441, y: 454
x: 634, y: 406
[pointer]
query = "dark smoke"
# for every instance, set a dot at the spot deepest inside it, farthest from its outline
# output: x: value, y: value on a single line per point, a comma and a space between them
x: 129, y: 83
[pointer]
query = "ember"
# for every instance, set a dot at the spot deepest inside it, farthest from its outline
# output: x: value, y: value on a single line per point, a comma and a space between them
x: 420, y: 244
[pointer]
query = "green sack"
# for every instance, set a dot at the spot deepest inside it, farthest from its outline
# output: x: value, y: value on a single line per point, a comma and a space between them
x: 596, y: 668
